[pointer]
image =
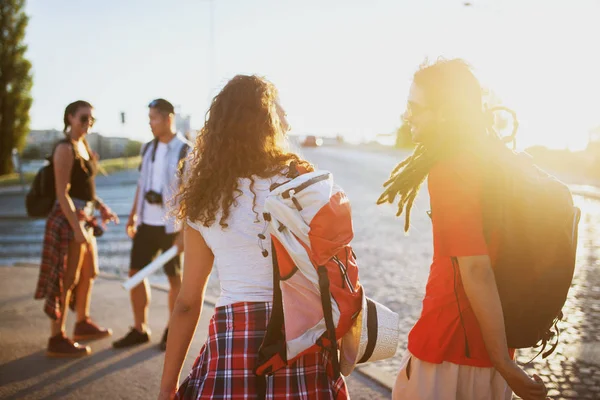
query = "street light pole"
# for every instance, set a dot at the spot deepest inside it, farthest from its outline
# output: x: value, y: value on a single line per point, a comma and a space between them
x: 18, y: 167
x: 123, y: 130
x: 211, y: 49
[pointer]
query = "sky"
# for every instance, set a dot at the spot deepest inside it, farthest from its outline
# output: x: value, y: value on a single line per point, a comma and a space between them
x: 341, y: 66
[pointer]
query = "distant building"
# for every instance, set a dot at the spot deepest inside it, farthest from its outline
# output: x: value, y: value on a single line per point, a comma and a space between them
x: 183, y: 124
x: 43, y: 142
x: 107, y: 146
x: 593, y: 146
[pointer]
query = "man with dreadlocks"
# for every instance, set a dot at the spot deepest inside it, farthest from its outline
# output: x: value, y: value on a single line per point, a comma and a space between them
x: 457, y: 349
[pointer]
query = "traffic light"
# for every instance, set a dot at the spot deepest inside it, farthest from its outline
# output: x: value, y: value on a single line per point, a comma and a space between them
x: 122, y: 117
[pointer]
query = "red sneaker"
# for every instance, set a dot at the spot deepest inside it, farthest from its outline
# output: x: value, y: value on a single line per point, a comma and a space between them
x: 87, y: 330
x: 61, y: 346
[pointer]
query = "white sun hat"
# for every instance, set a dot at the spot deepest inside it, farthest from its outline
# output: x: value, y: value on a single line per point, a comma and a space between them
x: 374, y: 336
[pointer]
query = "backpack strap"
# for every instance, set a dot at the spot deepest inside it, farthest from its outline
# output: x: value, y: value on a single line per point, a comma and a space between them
x: 145, y: 150
x: 295, y: 170
x: 552, y: 332
x: 273, y: 344
x: 183, y: 152
x: 327, y: 313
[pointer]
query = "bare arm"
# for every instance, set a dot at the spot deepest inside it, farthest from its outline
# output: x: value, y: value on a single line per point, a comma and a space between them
x: 133, y: 212
x: 480, y: 287
x: 63, y: 160
x: 198, y: 261
x: 131, y: 222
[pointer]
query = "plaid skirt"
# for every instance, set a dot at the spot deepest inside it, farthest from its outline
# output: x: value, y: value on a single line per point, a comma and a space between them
x: 57, y: 236
x: 225, y: 367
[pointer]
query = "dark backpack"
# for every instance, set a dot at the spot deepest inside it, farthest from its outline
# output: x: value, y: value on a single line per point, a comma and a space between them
x: 145, y: 150
x: 532, y: 216
x: 42, y: 195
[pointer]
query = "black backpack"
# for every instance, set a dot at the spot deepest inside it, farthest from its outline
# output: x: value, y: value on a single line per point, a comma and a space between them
x: 533, y: 217
x: 42, y: 195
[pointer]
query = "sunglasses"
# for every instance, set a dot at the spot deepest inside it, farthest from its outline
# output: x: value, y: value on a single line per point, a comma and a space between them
x: 84, y: 119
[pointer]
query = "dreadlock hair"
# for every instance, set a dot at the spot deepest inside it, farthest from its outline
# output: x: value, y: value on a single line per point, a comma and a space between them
x: 72, y: 109
x: 448, y: 85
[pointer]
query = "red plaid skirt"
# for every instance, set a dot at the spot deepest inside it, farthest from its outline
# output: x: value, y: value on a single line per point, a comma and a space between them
x: 224, y: 368
x: 54, y: 263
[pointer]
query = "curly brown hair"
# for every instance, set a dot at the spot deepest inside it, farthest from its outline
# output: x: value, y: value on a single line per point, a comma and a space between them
x: 243, y: 137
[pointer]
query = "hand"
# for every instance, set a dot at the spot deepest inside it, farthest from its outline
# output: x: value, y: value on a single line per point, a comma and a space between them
x: 179, y: 242
x: 108, y: 215
x: 131, y: 226
x: 81, y: 235
x: 523, y: 385
x: 81, y: 216
x: 166, y: 394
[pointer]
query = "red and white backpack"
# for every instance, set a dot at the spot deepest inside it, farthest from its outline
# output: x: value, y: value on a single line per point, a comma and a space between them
x: 317, y: 295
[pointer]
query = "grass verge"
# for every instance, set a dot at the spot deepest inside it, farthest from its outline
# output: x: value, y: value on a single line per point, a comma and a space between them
x: 109, y: 166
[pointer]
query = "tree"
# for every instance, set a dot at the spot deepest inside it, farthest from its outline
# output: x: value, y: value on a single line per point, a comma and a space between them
x: 132, y: 148
x: 31, y: 152
x: 15, y: 81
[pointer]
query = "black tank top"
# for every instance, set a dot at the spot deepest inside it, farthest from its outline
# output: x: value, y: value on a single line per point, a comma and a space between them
x: 83, y: 182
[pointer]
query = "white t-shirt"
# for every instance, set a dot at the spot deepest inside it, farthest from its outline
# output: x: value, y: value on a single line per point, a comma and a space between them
x: 154, y: 214
x: 244, y: 273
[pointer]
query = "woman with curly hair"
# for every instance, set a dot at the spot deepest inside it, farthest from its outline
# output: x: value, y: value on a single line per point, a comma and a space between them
x: 239, y: 155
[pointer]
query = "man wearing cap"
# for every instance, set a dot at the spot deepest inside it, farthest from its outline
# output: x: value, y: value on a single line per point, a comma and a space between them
x: 150, y: 224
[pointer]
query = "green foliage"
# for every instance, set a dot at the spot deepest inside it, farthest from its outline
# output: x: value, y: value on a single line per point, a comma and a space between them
x: 32, y: 152
x: 15, y: 81
x: 110, y: 166
x: 133, y: 148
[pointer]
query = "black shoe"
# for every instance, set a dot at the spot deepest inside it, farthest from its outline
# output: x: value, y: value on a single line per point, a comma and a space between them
x: 163, y: 341
x: 134, y: 337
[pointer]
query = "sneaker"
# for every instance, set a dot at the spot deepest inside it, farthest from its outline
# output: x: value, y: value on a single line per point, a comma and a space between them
x: 133, y: 338
x: 163, y: 341
x: 60, y: 346
x: 87, y: 330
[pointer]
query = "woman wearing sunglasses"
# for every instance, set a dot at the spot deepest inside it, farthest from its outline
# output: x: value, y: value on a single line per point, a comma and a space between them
x: 69, y: 257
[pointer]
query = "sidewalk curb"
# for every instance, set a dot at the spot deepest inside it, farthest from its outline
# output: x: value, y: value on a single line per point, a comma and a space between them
x: 4, y: 217
x: 371, y: 372
x: 377, y: 375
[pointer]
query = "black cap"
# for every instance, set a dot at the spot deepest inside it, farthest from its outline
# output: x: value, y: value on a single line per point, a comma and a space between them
x: 162, y: 105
